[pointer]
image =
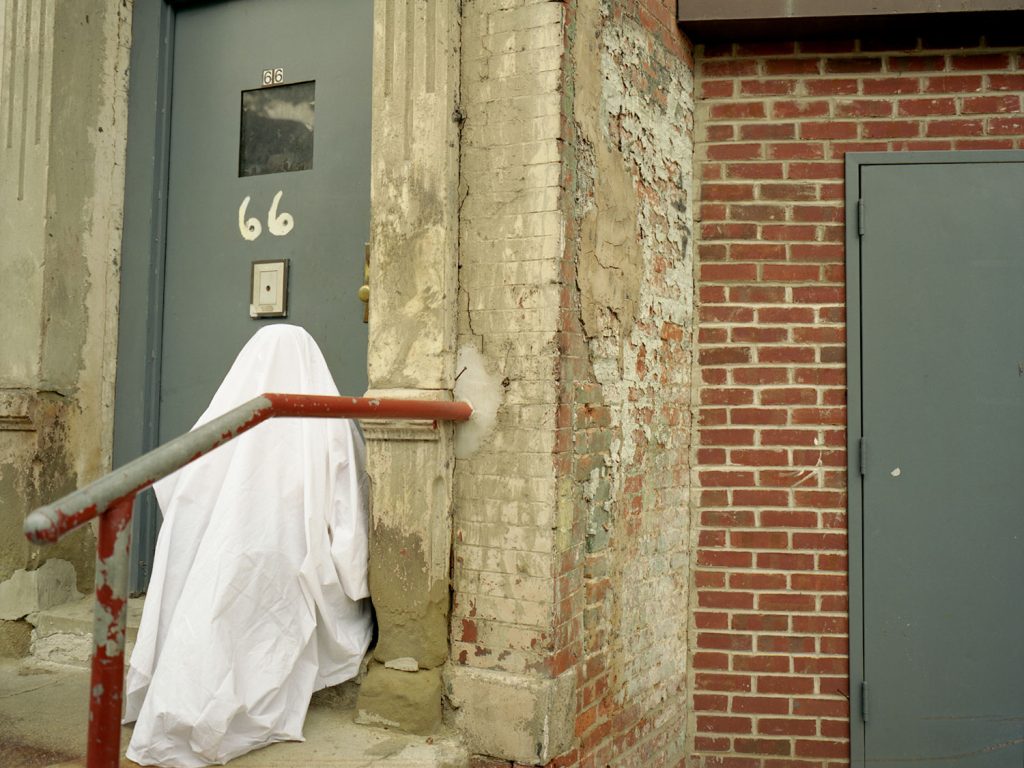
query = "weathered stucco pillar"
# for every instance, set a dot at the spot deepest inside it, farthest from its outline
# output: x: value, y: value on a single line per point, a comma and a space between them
x: 63, y: 94
x: 412, y: 351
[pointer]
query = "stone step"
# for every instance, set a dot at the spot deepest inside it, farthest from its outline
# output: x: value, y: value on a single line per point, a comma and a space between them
x: 63, y: 634
x: 51, y: 584
x: 54, y: 680
x: 35, y: 696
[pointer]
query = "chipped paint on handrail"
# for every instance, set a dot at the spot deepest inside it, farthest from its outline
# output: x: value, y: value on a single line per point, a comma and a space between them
x: 111, y: 497
x: 47, y: 524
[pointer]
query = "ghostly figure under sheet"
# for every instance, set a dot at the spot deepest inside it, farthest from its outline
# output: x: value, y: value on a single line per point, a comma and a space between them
x: 259, y: 582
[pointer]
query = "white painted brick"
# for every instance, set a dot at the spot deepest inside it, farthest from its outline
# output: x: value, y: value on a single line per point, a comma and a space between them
x: 516, y: 662
x: 539, y: 368
x: 529, y: 90
x: 538, y: 14
x: 497, y: 298
x: 535, y: 415
x: 513, y: 586
x: 477, y: 275
x: 504, y: 512
x: 524, y: 538
x: 484, y: 7
x: 505, y: 634
x: 479, y: 247
x: 532, y: 392
x: 510, y: 488
x: 514, y: 41
x: 510, y: 156
x: 512, y: 201
x: 525, y: 106
x: 500, y: 560
x: 535, y: 176
x: 502, y: 320
x: 511, y: 226
x: 525, y: 612
x: 533, y: 61
x: 507, y: 343
x: 548, y: 223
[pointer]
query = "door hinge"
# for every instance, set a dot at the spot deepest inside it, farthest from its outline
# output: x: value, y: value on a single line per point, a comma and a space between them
x: 860, y: 217
x: 861, y: 454
x: 864, y: 700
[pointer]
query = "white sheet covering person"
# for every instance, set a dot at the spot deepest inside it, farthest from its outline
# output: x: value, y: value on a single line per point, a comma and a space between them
x: 259, y: 582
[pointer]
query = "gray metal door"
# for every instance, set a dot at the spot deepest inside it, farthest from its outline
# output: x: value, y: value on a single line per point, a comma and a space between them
x: 269, y: 160
x: 942, y: 387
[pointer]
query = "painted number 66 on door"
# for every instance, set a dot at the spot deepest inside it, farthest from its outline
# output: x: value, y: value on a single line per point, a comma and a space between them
x: 278, y: 224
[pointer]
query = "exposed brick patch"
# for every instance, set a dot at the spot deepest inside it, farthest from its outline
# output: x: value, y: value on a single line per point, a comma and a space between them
x: 770, y: 628
x: 625, y: 391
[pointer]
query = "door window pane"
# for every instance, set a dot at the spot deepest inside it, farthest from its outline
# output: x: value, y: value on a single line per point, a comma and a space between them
x: 277, y: 129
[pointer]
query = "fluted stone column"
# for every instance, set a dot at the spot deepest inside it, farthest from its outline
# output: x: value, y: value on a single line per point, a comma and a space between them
x: 413, y: 266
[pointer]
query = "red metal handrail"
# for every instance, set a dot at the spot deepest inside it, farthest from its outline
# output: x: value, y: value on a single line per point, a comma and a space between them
x: 111, y: 497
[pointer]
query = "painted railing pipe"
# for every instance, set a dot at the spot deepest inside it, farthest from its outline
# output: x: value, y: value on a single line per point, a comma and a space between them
x: 111, y: 497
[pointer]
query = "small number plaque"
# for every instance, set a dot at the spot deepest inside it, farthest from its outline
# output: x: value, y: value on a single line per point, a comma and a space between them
x: 273, y: 76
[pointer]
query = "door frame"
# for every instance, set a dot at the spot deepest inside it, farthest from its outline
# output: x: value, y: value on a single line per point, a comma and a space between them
x: 143, y: 252
x: 855, y: 161
x: 143, y: 242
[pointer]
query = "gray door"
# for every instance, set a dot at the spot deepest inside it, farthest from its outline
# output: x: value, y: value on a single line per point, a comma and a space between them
x: 271, y: 102
x: 268, y: 160
x: 942, y: 383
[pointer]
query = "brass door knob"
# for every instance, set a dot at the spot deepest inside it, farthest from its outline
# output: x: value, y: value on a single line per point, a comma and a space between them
x: 364, y: 290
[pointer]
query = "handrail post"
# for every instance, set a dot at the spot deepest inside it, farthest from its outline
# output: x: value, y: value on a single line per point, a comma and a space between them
x: 106, y: 688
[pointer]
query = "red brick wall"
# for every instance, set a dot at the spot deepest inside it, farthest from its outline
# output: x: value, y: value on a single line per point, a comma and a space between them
x: 769, y: 666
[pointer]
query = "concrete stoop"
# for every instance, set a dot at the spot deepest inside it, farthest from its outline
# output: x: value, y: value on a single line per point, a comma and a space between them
x: 63, y: 634
x: 44, y: 711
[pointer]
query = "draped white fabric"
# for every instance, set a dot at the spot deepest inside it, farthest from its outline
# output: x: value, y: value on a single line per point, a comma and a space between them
x: 259, y: 582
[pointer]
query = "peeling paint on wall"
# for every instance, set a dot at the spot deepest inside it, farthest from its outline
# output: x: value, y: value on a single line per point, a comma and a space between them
x: 633, y: 118
x: 610, y: 261
x: 61, y: 231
